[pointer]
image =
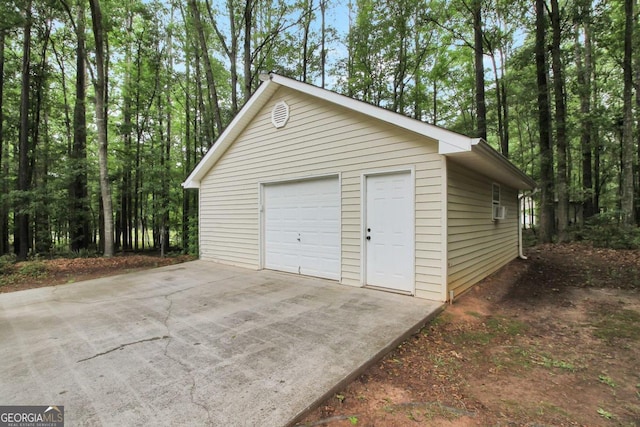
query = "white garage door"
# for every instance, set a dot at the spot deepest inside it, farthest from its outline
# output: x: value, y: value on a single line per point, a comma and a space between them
x: 302, y: 227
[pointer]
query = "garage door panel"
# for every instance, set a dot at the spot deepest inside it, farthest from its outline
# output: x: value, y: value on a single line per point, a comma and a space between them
x: 302, y: 227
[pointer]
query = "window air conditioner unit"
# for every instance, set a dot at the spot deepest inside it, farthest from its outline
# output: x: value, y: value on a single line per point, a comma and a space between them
x: 499, y: 212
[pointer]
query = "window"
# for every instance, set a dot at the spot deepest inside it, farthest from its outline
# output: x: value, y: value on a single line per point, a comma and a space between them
x: 497, y: 211
x: 496, y: 193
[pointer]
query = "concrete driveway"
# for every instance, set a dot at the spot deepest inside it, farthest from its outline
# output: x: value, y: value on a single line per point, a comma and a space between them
x: 193, y: 344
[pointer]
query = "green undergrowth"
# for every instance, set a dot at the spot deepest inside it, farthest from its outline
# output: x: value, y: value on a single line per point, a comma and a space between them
x: 606, y: 231
x: 614, y: 323
x: 7, y: 264
x: 494, y: 328
x: 12, y: 272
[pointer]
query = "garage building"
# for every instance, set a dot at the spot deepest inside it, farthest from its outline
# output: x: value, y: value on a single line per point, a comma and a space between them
x: 308, y: 181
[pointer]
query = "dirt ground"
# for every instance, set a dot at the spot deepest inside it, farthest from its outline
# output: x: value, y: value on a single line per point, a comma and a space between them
x: 550, y: 341
x: 35, y: 274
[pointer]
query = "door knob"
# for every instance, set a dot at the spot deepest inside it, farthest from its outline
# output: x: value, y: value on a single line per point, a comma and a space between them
x: 368, y: 237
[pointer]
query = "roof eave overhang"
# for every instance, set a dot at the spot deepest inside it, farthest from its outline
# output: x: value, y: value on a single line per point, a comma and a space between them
x: 473, y: 153
x: 232, y: 131
x: 484, y: 159
x: 451, y: 140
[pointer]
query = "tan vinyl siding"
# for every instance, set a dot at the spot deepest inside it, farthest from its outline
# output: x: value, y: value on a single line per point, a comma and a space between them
x: 477, y: 246
x: 319, y: 139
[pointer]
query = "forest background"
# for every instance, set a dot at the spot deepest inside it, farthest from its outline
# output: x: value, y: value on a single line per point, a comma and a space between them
x: 107, y: 105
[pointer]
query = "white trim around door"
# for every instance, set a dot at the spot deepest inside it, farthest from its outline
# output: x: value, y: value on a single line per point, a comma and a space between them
x: 388, y: 230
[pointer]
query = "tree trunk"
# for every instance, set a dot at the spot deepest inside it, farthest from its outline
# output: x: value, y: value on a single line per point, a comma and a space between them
x: 308, y: 12
x: 544, y: 123
x: 186, y: 206
x: 22, y: 216
x: 584, y: 84
x: 636, y: 172
x: 323, y: 49
x: 214, y: 106
x: 504, y: 148
x: 232, y: 52
x: 80, y: 233
x: 42, y: 225
x: 435, y: 103
x: 560, y: 116
x: 481, y: 109
x: 505, y: 105
x: 627, y: 152
x: 126, y: 221
x: 233, y: 58
x: 101, y: 124
x: 166, y: 173
x: 248, y: 23
x: 4, y: 218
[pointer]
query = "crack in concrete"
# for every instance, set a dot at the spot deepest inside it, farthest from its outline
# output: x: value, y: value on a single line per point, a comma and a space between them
x: 179, y: 362
x: 120, y: 347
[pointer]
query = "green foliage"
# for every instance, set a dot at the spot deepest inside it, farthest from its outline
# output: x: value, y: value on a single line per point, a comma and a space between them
x: 605, y: 414
x: 606, y: 379
x: 33, y: 269
x: 607, y: 231
x: 85, y: 253
x: 7, y: 264
x: 529, y: 238
x: 616, y: 324
x: 410, y: 57
x: 494, y: 328
x: 551, y: 362
x: 504, y: 326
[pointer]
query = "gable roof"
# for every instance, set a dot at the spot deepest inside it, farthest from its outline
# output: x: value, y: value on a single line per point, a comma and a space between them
x: 473, y: 153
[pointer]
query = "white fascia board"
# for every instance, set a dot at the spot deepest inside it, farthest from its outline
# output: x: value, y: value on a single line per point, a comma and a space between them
x: 445, y: 147
x: 481, y: 146
x: 487, y: 161
x: 448, y: 140
x: 249, y: 110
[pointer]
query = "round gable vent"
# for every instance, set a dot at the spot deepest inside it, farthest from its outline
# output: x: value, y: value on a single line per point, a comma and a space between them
x: 280, y: 114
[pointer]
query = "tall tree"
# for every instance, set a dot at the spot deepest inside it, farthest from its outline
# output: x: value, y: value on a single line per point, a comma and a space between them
x: 40, y: 148
x: 124, y: 214
x: 502, y: 21
x: 100, y: 86
x: 22, y: 215
x: 4, y: 219
x: 306, y: 33
x: 627, y: 152
x: 636, y: 59
x: 79, y: 232
x: 544, y: 127
x: 584, y: 75
x: 323, y: 43
x: 214, y: 105
x: 248, y: 54
x: 230, y: 47
x: 478, y: 40
x: 560, y: 121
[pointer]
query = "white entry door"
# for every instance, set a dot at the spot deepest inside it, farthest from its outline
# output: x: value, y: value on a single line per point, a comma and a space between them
x: 302, y: 227
x: 390, y: 232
